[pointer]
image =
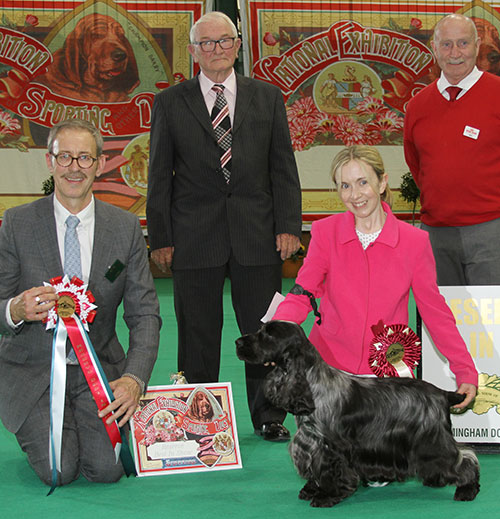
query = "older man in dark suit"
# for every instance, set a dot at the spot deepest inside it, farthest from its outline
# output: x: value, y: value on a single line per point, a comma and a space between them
x: 223, y: 200
x: 33, y: 251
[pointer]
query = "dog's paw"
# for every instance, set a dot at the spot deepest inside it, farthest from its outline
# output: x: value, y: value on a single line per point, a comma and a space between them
x: 321, y: 500
x: 467, y: 492
x: 309, y: 490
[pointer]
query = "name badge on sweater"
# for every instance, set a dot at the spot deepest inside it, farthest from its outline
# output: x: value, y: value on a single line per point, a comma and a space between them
x: 471, y: 132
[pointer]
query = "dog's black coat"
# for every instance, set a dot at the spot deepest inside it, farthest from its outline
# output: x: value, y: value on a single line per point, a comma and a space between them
x: 353, y: 429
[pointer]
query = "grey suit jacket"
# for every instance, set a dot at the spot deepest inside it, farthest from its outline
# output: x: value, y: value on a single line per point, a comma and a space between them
x: 194, y: 209
x: 29, y: 255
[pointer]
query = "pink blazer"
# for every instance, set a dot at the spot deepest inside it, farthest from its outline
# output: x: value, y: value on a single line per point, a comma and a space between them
x: 359, y: 287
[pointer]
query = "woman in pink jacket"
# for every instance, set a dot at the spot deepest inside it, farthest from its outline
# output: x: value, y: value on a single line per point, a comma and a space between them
x: 362, y: 265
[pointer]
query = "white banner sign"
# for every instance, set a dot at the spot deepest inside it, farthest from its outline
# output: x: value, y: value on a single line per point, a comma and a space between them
x: 477, y: 314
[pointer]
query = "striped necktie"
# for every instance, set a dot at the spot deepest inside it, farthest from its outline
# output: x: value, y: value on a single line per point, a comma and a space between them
x: 222, y: 128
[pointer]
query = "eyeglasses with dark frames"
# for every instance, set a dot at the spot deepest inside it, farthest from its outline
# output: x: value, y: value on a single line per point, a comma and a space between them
x: 65, y: 160
x: 209, y: 45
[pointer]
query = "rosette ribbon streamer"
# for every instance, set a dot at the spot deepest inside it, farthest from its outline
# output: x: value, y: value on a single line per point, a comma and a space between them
x: 69, y: 319
x: 395, y: 350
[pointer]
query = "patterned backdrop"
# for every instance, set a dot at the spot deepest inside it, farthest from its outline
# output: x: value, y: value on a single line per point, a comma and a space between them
x: 99, y: 60
x: 346, y: 69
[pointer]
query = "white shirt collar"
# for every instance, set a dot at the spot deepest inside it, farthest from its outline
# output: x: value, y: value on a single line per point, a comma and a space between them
x: 86, y: 215
x: 467, y: 82
x: 206, y: 84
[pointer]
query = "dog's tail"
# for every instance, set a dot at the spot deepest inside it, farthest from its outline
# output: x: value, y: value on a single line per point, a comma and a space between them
x: 454, y: 398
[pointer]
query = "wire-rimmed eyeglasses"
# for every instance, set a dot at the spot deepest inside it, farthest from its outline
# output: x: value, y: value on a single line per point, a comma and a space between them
x: 65, y: 160
x: 209, y: 45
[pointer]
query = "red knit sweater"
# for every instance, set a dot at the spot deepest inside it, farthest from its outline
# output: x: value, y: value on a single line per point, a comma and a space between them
x: 458, y: 176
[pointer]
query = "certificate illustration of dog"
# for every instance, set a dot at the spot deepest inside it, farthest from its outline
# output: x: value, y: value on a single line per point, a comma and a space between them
x: 353, y: 430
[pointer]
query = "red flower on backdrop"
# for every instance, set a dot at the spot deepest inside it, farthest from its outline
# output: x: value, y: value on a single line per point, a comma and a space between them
x: 370, y: 105
x: 416, y: 23
x: 388, y: 122
x: 372, y: 123
x: 304, y: 108
x: 32, y: 20
x: 372, y: 135
x: 270, y: 39
x: 179, y: 77
x: 302, y: 132
x: 348, y: 130
x: 326, y: 124
x: 8, y: 125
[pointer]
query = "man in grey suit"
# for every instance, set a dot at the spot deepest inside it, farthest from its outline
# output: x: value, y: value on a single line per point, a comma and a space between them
x: 208, y: 218
x: 32, y: 252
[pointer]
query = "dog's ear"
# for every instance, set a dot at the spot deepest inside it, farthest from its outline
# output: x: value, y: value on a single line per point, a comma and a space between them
x: 130, y: 79
x: 289, y: 392
x: 72, y: 53
x: 288, y: 386
x: 300, y: 399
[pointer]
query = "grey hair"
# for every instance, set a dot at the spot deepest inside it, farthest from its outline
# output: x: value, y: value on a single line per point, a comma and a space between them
x: 212, y: 16
x: 75, y: 124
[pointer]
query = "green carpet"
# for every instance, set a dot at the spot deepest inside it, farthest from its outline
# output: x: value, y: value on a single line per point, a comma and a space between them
x: 266, y: 486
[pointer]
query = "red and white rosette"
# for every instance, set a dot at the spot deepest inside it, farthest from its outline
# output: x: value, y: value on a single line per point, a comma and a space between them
x: 69, y: 318
x: 74, y: 300
x: 395, y: 350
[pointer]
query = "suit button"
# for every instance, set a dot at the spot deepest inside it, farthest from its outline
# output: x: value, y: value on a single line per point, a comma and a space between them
x: 229, y: 195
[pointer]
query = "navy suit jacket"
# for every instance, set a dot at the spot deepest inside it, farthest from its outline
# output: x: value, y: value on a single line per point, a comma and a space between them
x: 29, y: 255
x: 191, y: 207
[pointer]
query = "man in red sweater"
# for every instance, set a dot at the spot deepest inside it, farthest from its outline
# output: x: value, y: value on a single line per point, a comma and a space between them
x: 452, y: 146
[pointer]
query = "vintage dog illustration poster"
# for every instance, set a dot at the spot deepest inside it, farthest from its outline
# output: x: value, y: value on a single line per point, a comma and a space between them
x: 477, y: 314
x: 98, y: 60
x: 185, y: 428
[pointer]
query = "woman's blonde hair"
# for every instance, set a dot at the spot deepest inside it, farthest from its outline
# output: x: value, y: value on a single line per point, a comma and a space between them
x: 367, y: 154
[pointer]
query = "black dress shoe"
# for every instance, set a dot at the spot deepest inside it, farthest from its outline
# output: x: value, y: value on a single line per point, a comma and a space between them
x: 273, y: 432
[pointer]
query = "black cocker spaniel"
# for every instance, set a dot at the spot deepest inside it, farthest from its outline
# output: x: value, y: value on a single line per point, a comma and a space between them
x: 353, y: 430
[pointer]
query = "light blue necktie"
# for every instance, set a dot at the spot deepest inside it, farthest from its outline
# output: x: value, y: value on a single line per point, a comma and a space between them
x: 72, y: 259
x: 72, y: 262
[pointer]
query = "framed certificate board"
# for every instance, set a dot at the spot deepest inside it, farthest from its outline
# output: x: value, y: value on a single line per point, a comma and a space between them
x: 185, y: 428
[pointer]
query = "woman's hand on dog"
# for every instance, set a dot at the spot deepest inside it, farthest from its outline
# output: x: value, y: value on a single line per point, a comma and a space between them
x: 470, y: 391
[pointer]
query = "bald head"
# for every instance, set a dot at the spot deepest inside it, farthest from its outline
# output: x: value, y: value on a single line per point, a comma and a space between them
x: 453, y: 19
x: 456, y: 46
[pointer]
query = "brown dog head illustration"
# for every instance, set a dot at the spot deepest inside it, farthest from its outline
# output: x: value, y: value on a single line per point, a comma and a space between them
x: 488, y: 57
x: 96, y: 62
x: 201, y: 409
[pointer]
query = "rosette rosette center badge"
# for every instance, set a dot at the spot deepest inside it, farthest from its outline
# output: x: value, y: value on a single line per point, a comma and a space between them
x: 395, y: 350
x: 74, y: 299
x: 395, y: 353
x: 66, y: 306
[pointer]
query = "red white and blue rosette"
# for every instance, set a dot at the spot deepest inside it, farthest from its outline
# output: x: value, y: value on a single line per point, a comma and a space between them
x: 395, y: 350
